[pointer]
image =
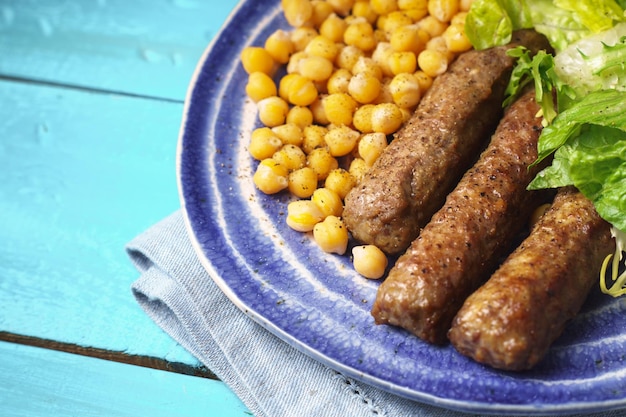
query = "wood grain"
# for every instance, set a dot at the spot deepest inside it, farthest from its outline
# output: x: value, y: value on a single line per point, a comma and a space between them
x: 106, y: 354
x: 144, y: 47
x: 91, y: 99
x: 82, y: 174
x: 42, y: 382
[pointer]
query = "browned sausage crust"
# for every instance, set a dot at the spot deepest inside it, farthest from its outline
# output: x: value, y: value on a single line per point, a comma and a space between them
x: 459, y: 248
x: 511, y: 321
x: 452, y: 123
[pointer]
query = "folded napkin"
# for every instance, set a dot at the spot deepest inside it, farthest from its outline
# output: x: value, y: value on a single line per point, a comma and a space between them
x: 270, y: 377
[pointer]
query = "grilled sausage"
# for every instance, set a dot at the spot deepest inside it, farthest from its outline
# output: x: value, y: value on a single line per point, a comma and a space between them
x: 462, y: 244
x: 452, y: 123
x: 511, y: 321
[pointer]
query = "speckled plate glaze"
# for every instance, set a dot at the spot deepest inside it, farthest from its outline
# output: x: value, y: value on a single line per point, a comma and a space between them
x: 317, y: 303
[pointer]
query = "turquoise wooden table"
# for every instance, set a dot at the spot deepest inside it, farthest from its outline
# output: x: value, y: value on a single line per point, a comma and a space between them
x: 91, y: 97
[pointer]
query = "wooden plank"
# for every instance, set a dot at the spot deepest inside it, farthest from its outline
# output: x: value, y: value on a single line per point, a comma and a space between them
x: 82, y: 174
x: 160, y: 363
x: 37, y: 382
x: 145, y: 47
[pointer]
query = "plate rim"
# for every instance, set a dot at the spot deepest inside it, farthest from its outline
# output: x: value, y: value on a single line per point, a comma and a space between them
x: 427, y: 398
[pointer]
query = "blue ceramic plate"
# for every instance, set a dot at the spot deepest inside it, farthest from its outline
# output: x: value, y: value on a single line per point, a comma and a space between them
x: 317, y: 303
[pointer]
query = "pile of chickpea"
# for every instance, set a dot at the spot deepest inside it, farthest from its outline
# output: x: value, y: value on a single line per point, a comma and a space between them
x: 355, y: 72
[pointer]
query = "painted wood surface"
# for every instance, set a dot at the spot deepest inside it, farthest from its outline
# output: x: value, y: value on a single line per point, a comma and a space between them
x: 82, y: 174
x: 39, y: 382
x: 146, y: 47
x: 91, y: 96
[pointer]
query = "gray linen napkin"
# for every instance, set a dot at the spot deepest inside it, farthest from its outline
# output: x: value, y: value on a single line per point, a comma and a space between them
x: 270, y: 377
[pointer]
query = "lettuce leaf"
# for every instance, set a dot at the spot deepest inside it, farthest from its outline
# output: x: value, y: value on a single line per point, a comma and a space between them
x: 603, y: 108
x: 595, y: 63
x: 598, y: 170
x: 595, y: 163
x: 561, y: 27
x: 590, y: 153
x: 491, y: 22
x: 539, y: 69
x: 582, y: 93
x: 597, y: 16
x: 592, y: 64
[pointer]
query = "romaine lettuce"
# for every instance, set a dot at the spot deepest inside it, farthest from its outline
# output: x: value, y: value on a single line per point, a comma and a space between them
x: 595, y: 63
x: 595, y: 163
x: 585, y: 127
x: 603, y: 108
x: 491, y: 22
x: 539, y: 69
x: 597, y: 16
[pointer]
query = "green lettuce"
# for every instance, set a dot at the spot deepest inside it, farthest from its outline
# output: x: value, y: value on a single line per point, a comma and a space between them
x: 582, y: 93
x: 492, y: 22
x: 596, y: 16
x: 595, y: 63
x: 540, y: 70
x: 603, y: 108
x: 589, y: 144
x: 594, y: 162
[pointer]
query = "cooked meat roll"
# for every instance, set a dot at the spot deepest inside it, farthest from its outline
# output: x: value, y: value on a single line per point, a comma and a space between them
x: 454, y: 120
x: 511, y: 321
x: 467, y: 238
